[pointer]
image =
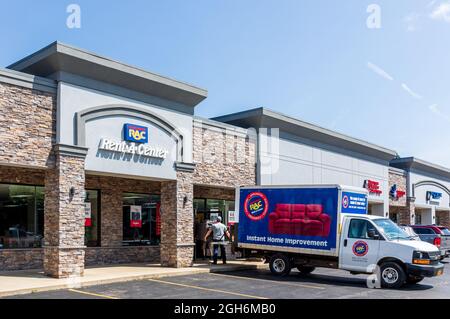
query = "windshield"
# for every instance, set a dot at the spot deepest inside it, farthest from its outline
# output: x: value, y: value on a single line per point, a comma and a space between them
x: 408, y: 230
x: 445, y: 231
x: 390, y: 230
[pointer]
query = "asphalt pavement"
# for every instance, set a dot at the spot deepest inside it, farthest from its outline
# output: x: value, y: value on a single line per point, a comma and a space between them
x: 255, y: 284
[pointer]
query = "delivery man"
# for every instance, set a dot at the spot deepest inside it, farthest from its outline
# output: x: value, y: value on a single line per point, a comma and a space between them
x: 219, y: 231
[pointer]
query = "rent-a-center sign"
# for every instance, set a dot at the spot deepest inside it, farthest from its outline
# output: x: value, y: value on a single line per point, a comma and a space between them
x: 135, y: 142
x: 373, y: 187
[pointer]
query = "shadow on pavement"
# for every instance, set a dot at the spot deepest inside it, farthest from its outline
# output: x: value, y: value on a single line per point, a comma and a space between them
x: 323, y: 279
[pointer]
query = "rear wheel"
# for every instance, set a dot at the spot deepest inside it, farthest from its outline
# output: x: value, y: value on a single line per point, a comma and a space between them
x: 414, y: 279
x: 392, y: 275
x: 280, y: 265
x: 305, y: 270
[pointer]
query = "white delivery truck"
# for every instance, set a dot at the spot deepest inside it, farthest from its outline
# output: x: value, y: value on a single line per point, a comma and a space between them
x: 311, y: 226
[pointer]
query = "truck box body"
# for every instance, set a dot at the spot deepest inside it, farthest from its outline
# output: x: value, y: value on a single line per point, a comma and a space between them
x: 296, y: 219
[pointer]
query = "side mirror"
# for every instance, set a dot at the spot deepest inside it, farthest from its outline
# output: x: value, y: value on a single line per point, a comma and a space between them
x: 373, y: 234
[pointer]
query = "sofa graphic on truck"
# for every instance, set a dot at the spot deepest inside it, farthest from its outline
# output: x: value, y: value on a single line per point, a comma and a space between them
x: 300, y: 220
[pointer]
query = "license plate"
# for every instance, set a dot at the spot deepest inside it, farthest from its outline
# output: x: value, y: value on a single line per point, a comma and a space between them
x: 439, y: 272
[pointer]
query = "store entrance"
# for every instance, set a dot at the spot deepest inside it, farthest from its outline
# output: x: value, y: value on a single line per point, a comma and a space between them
x: 202, y: 222
x: 206, y: 212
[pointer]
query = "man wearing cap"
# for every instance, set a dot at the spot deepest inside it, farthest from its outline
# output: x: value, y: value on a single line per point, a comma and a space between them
x: 219, y: 231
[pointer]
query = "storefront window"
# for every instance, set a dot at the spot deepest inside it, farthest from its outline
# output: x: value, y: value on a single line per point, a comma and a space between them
x: 141, y: 219
x: 92, y: 218
x: 21, y: 216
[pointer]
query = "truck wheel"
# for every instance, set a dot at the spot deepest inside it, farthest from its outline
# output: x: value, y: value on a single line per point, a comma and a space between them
x: 392, y: 275
x: 280, y: 265
x: 305, y: 270
x: 413, y: 279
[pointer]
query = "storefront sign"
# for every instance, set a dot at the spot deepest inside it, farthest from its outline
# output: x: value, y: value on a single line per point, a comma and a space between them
x: 373, y: 187
x: 87, y: 215
x: 132, y: 148
x: 135, y: 216
x: 135, y: 133
x: 395, y: 193
x: 434, y: 197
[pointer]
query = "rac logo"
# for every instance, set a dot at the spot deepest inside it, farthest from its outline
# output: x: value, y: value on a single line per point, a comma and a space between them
x: 256, y: 206
x: 135, y: 133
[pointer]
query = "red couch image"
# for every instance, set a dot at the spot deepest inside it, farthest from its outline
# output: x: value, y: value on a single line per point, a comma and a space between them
x: 299, y: 219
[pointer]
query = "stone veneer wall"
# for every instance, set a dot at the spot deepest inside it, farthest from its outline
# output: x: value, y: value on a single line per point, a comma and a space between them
x: 64, y: 217
x: 15, y: 259
x: 27, y: 133
x: 444, y: 218
x: 27, y: 125
x: 214, y: 192
x: 403, y: 207
x: 111, y: 190
x: 19, y: 175
x: 121, y: 255
x: 223, y: 157
x: 398, y: 178
x: 177, y: 221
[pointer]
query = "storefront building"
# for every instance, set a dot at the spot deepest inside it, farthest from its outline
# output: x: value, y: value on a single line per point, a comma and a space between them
x: 428, y: 192
x: 104, y: 163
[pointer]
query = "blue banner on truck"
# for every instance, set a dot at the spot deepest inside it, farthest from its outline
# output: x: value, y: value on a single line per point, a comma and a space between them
x: 289, y: 217
x: 354, y: 203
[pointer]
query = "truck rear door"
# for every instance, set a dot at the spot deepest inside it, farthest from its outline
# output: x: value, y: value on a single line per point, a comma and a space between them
x: 359, y: 248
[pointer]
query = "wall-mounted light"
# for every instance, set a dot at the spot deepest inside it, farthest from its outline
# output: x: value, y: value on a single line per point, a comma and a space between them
x: 72, y: 191
x: 185, y: 199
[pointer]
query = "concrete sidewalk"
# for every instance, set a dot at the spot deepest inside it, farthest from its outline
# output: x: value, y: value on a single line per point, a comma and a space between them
x: 29, y: 281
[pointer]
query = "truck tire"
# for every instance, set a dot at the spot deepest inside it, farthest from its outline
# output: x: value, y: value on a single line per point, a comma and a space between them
x: 305, y: 270
x: 280, y: 265
x: 392, y: 275
x: 414, y: 280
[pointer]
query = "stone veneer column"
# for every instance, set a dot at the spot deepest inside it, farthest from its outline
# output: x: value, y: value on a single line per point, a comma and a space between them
x: 177, y: 219
x: 64, y: 213
x: 407, y: 214
x: 444, y: 218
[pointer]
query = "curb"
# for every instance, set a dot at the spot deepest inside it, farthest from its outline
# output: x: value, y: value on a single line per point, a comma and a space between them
x: 191, y: 271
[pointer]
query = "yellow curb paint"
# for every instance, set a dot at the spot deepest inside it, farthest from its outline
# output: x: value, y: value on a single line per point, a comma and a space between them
x: 207, y: 289
x: 272, y: 281
x: 92, y: 294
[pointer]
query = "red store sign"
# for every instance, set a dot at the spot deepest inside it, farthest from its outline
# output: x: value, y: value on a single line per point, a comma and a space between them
x: 373, y: 187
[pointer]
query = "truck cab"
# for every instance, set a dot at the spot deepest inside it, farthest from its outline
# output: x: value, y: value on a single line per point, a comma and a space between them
x: 371, y: 244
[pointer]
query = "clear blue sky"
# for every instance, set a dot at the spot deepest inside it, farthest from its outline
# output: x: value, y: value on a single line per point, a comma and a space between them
x: 313, y: 59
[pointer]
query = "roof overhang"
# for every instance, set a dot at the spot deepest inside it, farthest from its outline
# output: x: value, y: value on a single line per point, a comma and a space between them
x: 264, y: 118
x: 412, y: 163
x: 59, y: 57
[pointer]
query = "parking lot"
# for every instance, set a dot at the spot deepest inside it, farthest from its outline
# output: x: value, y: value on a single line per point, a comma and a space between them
x: 254, y: 284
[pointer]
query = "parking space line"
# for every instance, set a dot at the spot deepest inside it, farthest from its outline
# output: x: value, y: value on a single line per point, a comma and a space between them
x: 267, y: 280
x: 207, y: 289
x: 92, y: 294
